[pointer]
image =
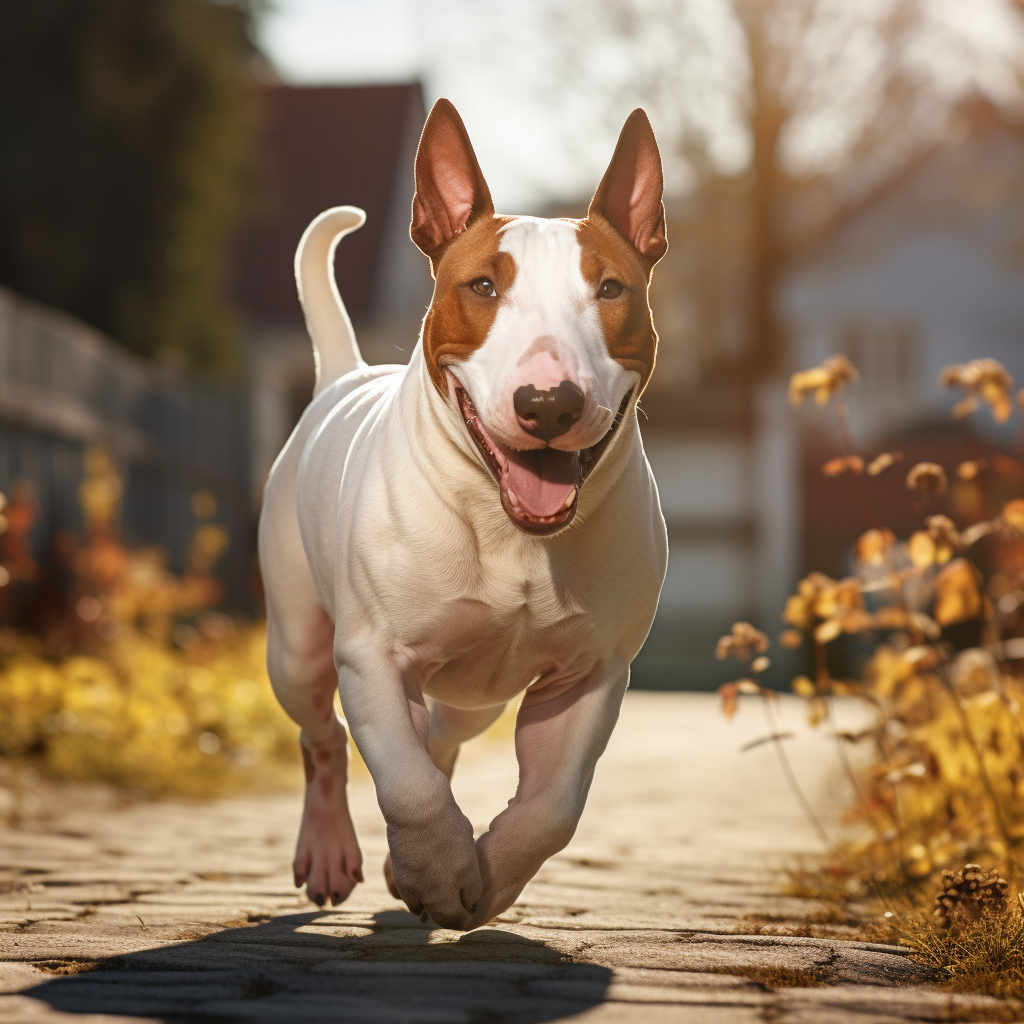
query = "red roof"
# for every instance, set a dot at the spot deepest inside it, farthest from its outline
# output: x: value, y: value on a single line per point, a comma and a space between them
x: 323, y: 147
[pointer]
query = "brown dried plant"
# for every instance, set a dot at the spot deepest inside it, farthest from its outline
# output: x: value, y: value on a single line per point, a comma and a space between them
x: 970, y: 897
x: 942, y: 616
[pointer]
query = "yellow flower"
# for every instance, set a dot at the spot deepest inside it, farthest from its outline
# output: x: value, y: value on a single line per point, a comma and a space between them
x: 927, y: 478
x: 945, y: 537
x: 743, y: 642
x: 887, y: 670
x: 873, y: 546
x: 803, y: 687
x: 730, y: 692
x: 957, y: 593
x: 936, y: 545
x: 1013, y: 514
x: 799, y: 610
x: 882, y: 462
x: 921, y: 549
x: 791, y: 638
x: 986, y: 379
x: 824, y: 380
x: 838, y: 598
x: 839, y: 465
x: 100, y: 492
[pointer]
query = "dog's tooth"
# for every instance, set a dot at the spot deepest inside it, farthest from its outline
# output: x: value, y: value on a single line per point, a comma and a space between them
x: 570, y: 499
x: 513, y: 498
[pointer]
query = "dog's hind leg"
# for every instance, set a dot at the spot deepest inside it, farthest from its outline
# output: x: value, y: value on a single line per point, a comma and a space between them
x: 449, y: 728
x: 327, y: 856
x: 300, y: 661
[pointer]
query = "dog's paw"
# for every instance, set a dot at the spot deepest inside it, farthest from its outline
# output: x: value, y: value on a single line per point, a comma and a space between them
x: 504, y: 872
x: 327, y: 857
x: 327, y: 861
x: 517, y: 844
x: 435, y: 871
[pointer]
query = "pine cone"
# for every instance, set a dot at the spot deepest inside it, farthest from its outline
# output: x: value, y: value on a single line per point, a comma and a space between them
x: 969, y: 896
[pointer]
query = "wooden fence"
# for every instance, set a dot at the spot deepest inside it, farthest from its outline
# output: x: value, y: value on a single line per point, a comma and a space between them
x: 64, y: 387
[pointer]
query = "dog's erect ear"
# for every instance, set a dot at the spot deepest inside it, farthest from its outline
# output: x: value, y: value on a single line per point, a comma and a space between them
x: 629, y: 196
x: 450, y: 190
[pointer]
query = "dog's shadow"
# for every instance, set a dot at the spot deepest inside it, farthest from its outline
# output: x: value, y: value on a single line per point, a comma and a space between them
x: 337, y: 966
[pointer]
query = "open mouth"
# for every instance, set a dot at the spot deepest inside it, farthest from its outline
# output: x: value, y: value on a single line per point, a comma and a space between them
x: 539, y: 487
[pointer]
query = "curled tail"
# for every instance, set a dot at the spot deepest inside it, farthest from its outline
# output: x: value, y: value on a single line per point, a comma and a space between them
x: 335, y: 350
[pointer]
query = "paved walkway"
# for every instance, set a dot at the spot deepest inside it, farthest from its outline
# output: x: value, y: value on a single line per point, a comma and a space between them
x: 665, y: 907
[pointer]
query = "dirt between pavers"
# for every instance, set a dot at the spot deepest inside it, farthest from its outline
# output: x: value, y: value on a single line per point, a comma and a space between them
x: 157, y: 911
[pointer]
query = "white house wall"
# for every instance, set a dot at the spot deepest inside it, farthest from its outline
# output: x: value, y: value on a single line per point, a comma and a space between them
x: 941, y: 259
x: 707, y: 493
x: 702, y: 478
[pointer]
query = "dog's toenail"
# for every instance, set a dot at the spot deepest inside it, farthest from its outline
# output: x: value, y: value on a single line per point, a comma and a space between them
x: 319, y: 899
x: 335, y: 898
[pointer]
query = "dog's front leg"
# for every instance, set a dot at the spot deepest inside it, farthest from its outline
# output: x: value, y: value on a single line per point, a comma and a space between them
x: 560, y: 733
x: 433, y: 858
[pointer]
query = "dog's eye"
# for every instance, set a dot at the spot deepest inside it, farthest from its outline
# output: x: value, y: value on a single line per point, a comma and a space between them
x: 610, y: 289
x: 484, y: 286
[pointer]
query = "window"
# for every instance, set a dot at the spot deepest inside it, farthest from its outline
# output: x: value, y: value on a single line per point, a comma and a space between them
x: 886, y: 352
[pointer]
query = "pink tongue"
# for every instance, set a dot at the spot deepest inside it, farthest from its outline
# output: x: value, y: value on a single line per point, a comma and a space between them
x: 543, y: 479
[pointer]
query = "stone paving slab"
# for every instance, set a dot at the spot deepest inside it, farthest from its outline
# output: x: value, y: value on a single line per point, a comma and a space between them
x: 184, y: 912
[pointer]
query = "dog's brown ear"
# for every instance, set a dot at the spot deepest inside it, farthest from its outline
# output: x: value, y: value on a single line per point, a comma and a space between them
x: 629, y: 196
x: 450, y: 190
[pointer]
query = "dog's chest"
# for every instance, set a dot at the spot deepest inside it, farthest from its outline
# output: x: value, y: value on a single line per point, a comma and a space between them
x: 485, y: 644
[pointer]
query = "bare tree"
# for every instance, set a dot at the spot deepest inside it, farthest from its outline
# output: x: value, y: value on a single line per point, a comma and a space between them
x: 804, y: 105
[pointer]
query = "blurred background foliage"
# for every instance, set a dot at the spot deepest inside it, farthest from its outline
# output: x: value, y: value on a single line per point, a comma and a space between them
x: 129, y: 675
x: 127, y: 130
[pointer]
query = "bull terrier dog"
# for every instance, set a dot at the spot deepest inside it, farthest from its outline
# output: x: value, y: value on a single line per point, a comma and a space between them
x: 440, y: 538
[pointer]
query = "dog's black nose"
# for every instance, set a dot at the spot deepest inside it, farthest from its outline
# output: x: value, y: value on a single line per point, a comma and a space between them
x: 548, y: 414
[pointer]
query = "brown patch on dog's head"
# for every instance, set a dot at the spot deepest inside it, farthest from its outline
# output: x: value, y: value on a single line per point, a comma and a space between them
x: 626, y: 318
x: 453, y: 223
x: 622, y: 238
x: 459, y: 318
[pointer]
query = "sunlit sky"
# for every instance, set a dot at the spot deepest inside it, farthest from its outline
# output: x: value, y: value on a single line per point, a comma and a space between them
x: 538, y: 132
x: 515, y: 133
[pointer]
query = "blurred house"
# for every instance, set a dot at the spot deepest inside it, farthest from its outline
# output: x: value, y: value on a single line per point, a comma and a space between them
x: 698, y: 419
x: 925, y: 271
x: 326, y: 147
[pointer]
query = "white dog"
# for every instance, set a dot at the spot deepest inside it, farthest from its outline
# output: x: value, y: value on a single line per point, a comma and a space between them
x: 437, y: 539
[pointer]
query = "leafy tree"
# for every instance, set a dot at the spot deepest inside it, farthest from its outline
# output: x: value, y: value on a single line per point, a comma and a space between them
x: 126, y: 129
